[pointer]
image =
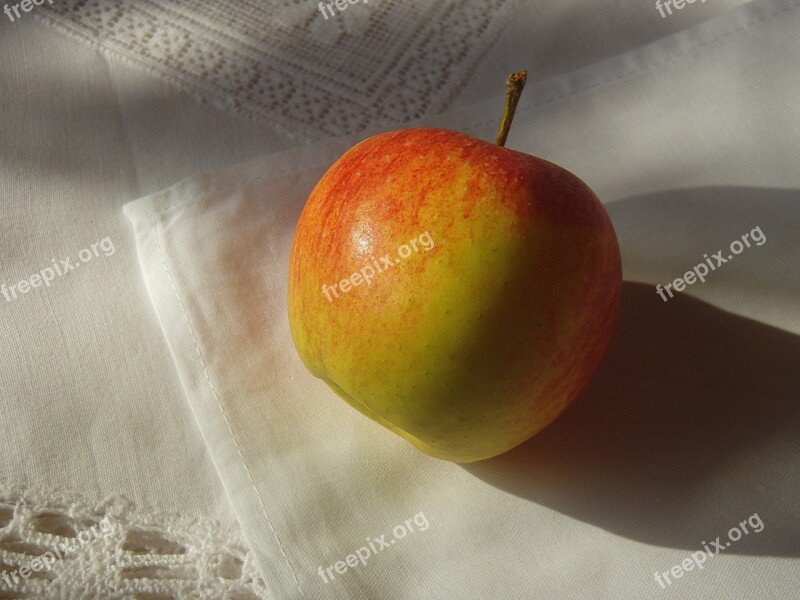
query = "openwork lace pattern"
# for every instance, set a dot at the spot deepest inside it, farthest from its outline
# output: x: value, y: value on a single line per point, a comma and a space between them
x: 282, y: 63
x: 110, y: 550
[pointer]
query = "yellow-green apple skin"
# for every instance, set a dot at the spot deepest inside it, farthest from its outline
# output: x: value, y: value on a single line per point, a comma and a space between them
x: 471, y: 347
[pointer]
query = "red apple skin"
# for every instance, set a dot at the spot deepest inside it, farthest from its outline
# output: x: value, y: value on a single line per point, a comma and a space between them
x: 467, y: 349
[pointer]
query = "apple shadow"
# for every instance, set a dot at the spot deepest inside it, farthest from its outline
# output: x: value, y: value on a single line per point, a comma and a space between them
x: 678, y: 416
x: 690, y: 425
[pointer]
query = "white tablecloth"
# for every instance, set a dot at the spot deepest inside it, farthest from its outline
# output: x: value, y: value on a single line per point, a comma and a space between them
x: 91, y: 400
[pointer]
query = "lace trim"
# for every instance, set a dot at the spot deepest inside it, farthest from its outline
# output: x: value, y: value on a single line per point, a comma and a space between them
x: 282, y: 63
x: 65, y: 546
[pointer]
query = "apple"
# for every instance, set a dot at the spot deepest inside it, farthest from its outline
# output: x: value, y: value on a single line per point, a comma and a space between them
x: 457, y: 292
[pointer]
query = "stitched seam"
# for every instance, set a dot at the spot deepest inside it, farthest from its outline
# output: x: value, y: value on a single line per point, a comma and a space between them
x: 207, y: 375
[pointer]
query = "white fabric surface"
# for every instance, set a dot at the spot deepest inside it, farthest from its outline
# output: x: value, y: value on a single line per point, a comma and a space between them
x: 689, y: 427
x: 82, y: 133
x: 90, y: 405
x: 90, y: 401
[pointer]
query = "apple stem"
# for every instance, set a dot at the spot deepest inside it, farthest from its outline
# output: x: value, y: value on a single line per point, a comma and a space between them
x: 514, y: 84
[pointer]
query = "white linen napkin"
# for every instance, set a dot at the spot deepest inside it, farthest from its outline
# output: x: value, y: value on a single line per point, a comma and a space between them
x: 689, y: 429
